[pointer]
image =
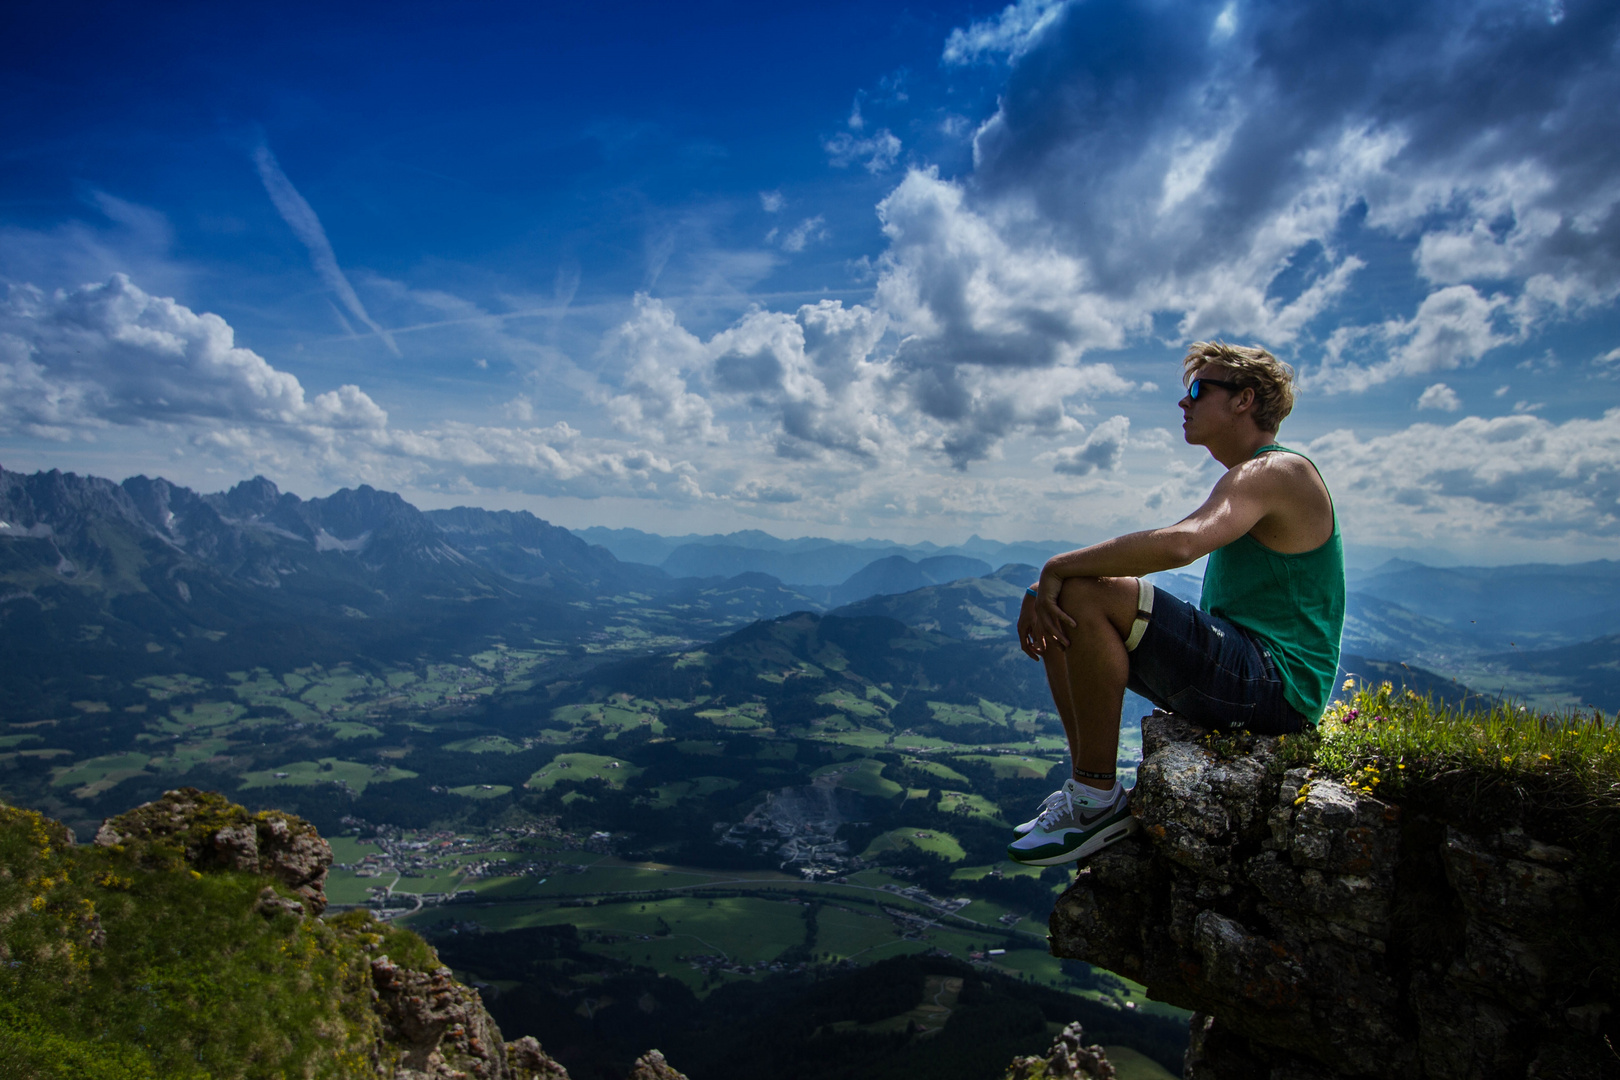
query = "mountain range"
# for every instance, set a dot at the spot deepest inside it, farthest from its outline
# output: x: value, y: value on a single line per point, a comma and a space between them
x: 112, y: 580
x: 807, y: 560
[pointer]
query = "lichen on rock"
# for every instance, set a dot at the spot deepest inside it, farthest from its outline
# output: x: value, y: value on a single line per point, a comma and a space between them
x: 1317, y: 930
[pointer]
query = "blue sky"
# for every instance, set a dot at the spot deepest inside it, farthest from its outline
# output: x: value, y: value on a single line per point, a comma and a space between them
x: 841, y: 269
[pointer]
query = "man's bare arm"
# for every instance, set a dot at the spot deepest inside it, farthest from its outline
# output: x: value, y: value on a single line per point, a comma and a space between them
x: 1240, y: 499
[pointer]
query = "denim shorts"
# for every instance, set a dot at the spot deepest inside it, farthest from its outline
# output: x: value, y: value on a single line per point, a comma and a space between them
x: 1210, y: 671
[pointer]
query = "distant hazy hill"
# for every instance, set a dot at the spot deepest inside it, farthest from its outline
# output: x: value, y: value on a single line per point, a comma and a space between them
x: 801, y: 561
x: 769, y: 658
x: 975, y: 609
x: 1534, y: 603
x: 1590, y: 669
x: 829, y: 564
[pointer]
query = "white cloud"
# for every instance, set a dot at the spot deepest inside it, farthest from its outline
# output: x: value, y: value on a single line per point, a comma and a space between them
x: 1610, y: 357
x: 1454, y: 327
x: 814, y: 374
x: 1294, y: 146
x: 771, y: 201
x: 301, y: 218
x: 1102, y: 451
x: 110, y: 354
x: 1009, y: 34
x: 1519, y: 475
x: 1440, y: 396
x: 805, y: 233
x: 101, y: 360
x: 880, y: 151
x: 658, y: 356
x: 993, y: 324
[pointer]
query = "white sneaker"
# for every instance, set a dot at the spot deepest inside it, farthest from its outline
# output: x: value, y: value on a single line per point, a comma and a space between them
x: 1071, y: 788
x: 1075, y: 828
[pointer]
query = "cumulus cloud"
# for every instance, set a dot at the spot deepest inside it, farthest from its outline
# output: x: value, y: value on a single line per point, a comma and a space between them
x: 110, y: 354
x: 88, y: 362
x: 993, y: 318
x: 300, y: 217
x: 1454, y: 327
x: 1102, y: 451
x: 1520, y: 476
x: 659, y: 355
x: 1479, y: 137
x: 814, y: 373
x: 1440, y: 396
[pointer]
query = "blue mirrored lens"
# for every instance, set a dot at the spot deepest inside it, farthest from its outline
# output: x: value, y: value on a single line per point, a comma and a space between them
x: 1195, y: 388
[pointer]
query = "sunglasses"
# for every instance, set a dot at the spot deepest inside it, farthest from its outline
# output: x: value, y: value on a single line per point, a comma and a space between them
x: 1195, y: 389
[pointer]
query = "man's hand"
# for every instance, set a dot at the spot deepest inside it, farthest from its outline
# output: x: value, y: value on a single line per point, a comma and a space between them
x: 1041, y: 623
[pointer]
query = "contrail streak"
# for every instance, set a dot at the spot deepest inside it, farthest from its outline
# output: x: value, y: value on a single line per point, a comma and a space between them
x: 300, y: 216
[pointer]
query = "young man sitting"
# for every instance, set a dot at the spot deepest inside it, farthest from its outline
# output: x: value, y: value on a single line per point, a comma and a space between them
x: 1260, y: 651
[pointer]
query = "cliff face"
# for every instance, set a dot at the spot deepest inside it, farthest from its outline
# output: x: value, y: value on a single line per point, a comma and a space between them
x: 1319, y: 931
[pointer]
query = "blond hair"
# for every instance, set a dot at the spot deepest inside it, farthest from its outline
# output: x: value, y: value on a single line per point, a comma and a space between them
x: 1252, y: 367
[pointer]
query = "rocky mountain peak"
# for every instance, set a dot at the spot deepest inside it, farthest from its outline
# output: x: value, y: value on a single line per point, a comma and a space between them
x: 250, y: 499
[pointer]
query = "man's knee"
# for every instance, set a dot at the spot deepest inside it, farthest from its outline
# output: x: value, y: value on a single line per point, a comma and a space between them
x: 1110, y: 598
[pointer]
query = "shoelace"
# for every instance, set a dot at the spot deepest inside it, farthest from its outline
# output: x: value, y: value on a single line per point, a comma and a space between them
x: 1064, y: 804
x: 1061, y: 803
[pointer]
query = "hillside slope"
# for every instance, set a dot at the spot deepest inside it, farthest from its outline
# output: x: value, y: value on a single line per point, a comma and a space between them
x: 187, y: 944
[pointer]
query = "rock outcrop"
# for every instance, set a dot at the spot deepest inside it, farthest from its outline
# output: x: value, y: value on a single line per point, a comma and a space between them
x: 438, y: 1029
x: 1068, y: 1059
x: 421, y: 1022
x: 210, y: 832
x: 1319, y: 931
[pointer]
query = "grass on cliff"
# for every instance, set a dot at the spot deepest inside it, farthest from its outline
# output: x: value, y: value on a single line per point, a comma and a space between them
x: 111, y: 969
x: 1399, y: 744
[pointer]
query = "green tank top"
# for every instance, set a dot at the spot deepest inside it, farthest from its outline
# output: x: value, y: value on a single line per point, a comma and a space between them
x: 1293, y: 603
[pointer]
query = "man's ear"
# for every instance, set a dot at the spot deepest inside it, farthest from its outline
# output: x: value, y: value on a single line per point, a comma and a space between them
x: 1245, y: 399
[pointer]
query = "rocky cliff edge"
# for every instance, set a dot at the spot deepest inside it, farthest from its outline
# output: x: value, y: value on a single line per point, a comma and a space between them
x: 1319, y: 931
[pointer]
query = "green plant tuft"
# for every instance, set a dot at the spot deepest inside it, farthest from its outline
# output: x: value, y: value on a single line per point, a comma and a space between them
x: 1381, y: 740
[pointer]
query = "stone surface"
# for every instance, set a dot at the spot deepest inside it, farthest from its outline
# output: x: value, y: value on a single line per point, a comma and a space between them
x: 208, y: 831
x: 437, y: 1027
x: 1318, y: 931
x: 1069, y: 1057
x: 652, y: 1066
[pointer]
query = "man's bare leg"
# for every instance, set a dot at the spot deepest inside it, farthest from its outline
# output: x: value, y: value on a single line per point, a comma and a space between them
x: 1088, y: 678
